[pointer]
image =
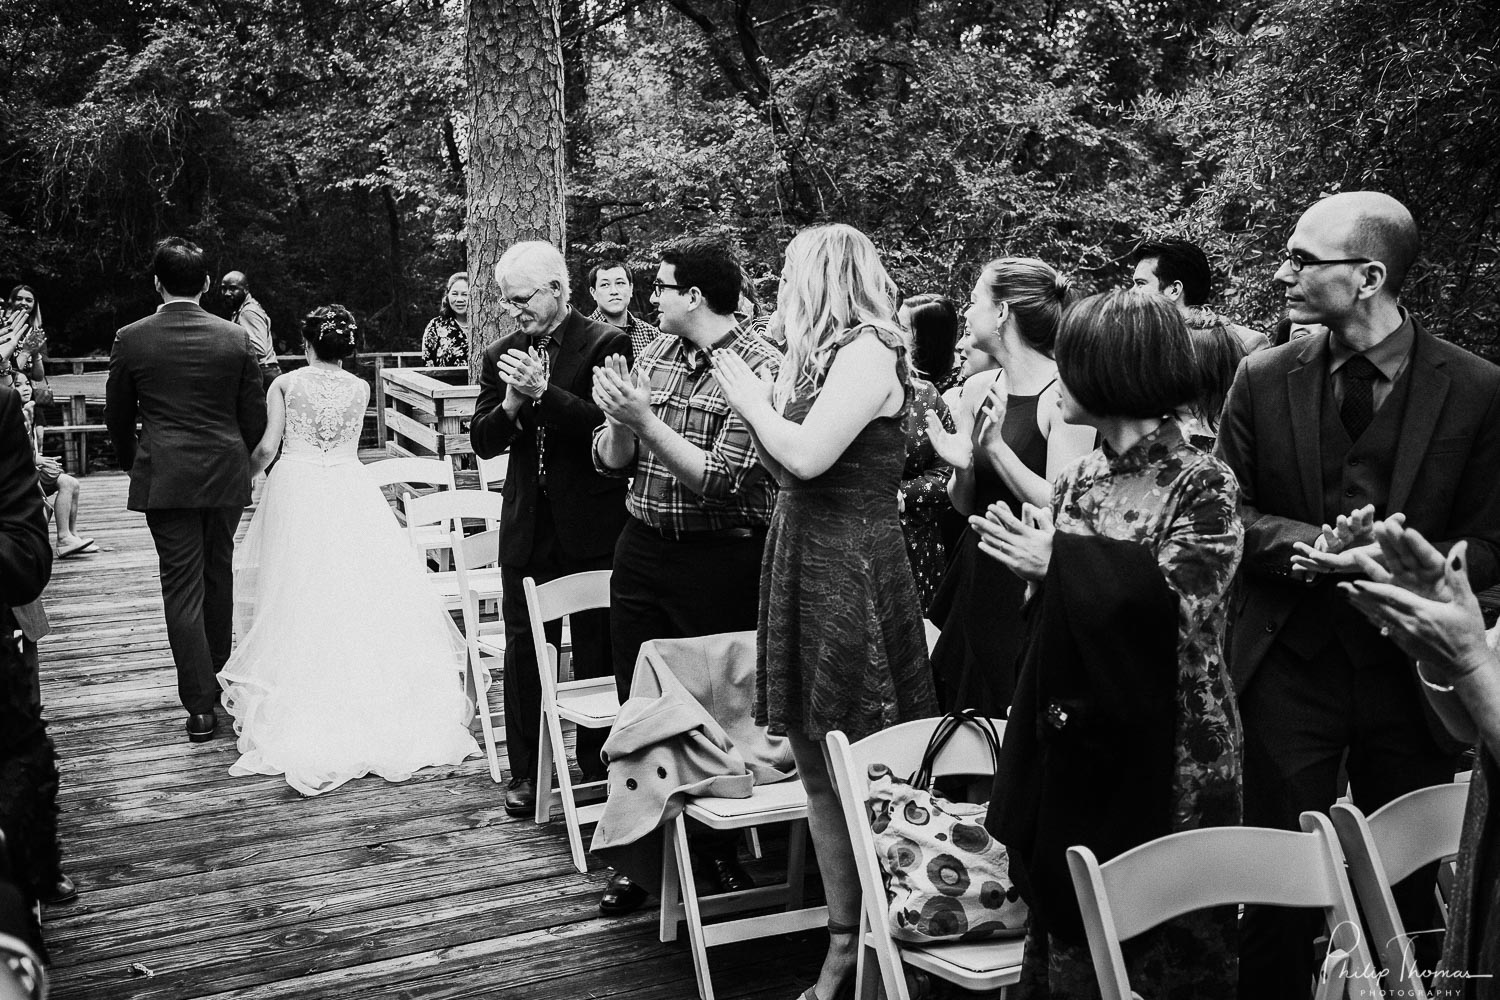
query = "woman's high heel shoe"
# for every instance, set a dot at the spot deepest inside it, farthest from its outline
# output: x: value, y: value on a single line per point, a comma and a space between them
x: 847, y: 985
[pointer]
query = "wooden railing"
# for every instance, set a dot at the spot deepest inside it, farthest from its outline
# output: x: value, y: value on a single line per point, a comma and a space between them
x: 78, y: 383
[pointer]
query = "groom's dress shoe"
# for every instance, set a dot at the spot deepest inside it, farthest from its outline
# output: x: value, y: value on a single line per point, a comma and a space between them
x: 520, y: 798
x: 201, y: 725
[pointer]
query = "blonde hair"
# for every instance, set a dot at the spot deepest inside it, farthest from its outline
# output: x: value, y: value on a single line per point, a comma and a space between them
x: 833, y: 282
x: 1037, y: 295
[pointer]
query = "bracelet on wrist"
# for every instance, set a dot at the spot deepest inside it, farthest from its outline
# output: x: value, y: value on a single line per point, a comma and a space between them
x: 1439, y: 688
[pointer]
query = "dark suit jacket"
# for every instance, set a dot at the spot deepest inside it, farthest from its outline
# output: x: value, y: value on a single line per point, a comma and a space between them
x: 192, y: 380
x: 587, y: 508
x: 1443, y: 477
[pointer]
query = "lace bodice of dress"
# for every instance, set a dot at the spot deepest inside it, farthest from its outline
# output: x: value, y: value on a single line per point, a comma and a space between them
x: 325, y: 411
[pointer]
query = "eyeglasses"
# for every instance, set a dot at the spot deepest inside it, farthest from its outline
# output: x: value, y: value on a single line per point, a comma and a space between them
x: 657, y: 286
x: 514, y: 306
x: 1297, y: 260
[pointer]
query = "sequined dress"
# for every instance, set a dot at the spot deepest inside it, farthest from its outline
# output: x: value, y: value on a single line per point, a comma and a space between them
x: 840, y: 642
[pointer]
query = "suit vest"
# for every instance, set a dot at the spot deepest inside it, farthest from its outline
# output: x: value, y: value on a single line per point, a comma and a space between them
x: 1354, y: 473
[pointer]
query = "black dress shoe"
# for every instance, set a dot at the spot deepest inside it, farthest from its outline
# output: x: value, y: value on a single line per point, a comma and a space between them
x: 520, y: 798
x: 621, y: 896
x: 61, y: 893
x: 201, y: 725
x: 730, y: 876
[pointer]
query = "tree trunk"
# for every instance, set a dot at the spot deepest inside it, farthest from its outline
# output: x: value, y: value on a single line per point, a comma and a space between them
x: 515, y: 178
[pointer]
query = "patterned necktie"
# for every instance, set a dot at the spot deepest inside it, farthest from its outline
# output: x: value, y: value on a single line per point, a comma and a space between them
x: 541, y: 344
x: 1358, y: 409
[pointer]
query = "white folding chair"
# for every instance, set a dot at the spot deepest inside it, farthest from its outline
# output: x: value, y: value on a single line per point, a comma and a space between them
x: 476, y: 569
x: 417, y: 472
x: 933, y: 633
x: 979, y: 965
x: 781, y: 802
x: 492, y: 471
x: 590, y: 702
x: 447, y: 510
x: 1222, y: 866
x: 1395, y: 840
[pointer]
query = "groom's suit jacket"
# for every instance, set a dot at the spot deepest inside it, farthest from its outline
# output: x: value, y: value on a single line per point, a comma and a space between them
x: 193, y: 382
x: 1275, y: 435
x: 587, y: 509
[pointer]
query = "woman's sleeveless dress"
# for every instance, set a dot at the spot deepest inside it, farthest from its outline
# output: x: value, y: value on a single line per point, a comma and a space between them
x: 347, y: 663
x: 978, y: 604
x: 840, y: 643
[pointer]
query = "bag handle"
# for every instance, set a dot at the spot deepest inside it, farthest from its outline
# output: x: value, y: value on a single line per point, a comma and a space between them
x: 944, y: 731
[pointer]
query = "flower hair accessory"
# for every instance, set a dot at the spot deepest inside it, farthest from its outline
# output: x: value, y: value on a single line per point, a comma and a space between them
x: 340, y: 326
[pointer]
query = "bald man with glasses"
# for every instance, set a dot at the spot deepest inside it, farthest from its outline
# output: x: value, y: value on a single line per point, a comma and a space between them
x: 1328, y: 434
x: 560, y: 516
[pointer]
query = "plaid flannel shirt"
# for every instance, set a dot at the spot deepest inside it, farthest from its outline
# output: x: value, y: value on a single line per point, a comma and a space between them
x: 738, y: 492
x: 641, y: 332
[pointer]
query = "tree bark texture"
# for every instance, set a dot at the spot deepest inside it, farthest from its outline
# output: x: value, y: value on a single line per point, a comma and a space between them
x: 514, y: 65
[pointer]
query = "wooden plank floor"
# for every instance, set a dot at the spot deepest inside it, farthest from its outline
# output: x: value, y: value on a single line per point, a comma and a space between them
x: 196, y: 884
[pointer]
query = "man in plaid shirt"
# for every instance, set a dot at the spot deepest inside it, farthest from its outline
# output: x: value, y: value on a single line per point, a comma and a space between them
x: 612, y: 289
x: 688, y: 561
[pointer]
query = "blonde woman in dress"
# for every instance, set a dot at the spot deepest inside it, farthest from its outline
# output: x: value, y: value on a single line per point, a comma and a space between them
x: 840, y: 643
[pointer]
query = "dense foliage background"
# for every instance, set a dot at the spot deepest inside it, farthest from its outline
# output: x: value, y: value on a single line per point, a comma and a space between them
x: 319, y: 145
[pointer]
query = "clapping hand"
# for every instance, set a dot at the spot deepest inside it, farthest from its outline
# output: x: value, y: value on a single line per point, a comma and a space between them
x: 523, y: 372
x: 624, y: 397
x: 1422, y: 601
x: 50, y: 466
x: 1337, y: 545
x: 1023, y: 544
x: 743, y: 389
x: 956, y: 447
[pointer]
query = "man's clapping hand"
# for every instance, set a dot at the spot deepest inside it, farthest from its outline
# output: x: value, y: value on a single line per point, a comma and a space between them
x: 624, y: 397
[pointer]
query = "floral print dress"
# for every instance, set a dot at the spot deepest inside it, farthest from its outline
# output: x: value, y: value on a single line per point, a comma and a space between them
x: 924, y: 491
x: 444, y: 344
x: 1181, y: 502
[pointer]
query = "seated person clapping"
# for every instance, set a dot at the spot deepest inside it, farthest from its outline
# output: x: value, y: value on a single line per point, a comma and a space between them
x: 57, y: 486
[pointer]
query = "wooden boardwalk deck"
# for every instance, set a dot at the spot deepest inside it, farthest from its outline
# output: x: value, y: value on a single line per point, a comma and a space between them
x: 196, y: 884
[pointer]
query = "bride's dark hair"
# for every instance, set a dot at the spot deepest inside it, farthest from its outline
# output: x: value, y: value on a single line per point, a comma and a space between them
x: 331, y: 331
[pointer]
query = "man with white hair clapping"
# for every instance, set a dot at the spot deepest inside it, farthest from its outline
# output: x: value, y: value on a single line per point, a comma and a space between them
x: 560, y: 515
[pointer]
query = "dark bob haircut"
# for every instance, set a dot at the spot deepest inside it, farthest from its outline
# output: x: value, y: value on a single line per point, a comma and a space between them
x: 710, y: 266
x: 934, y: 332
x: 331, y: 331
x: 1127, y: 354
x: 1219, y: 353
x: 180, y: 266
x: 1180, y: 260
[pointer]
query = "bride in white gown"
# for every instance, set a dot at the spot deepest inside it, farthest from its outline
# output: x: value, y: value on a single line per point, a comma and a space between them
x: 347, y: 664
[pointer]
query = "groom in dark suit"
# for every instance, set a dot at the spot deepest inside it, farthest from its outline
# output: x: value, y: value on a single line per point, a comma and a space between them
x: 1380, y: 414
x: 192, y: 381
x: 560, y: 516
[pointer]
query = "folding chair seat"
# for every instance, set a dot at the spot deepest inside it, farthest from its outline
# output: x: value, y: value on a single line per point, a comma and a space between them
x: 981, y: 965
x: 1221, y: 866
x: 1382, y: 849
x: 590, y: 702
x: 780, y: 802
x: 436, y: 472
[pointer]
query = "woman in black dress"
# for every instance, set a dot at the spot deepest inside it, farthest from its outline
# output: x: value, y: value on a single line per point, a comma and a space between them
x: 1010, y: 443
x: 840, y: 643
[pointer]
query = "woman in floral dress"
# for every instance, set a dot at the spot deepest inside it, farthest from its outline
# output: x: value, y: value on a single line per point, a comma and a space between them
x: 1126, y: 363
x: 445, y: 342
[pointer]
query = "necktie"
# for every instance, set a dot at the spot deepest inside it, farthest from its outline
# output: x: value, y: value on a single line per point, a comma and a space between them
x: 542, y: 344
x: 1358, y: 409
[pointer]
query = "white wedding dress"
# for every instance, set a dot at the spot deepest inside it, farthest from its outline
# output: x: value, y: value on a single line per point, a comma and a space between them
x: 347, y: 663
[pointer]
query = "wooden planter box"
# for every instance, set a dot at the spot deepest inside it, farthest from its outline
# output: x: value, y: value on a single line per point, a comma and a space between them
x: 427, y: 411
